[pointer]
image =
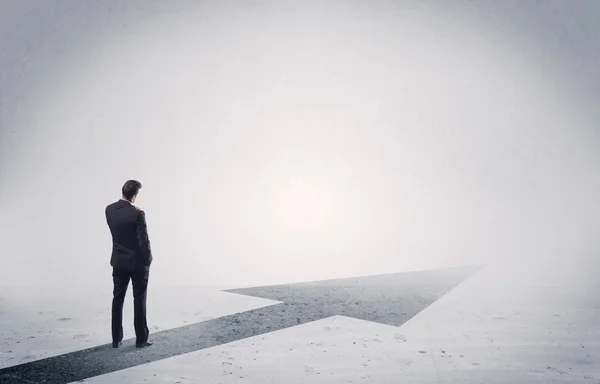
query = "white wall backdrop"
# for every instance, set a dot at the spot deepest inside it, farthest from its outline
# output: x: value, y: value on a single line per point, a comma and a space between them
x: 291, y: 141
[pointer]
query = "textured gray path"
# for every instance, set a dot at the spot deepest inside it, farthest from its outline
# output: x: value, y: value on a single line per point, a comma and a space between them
x: 389, y: 299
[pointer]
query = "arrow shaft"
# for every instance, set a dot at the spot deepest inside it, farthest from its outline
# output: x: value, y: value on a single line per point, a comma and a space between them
x: 104, y: 359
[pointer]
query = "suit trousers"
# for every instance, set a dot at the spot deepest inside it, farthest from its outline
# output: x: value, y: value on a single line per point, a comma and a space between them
x: 139, y: 280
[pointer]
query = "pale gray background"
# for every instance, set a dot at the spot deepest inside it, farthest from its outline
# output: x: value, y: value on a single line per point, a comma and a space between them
x: 291, y: 141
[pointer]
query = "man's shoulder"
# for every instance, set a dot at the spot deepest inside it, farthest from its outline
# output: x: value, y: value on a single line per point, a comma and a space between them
x: 117, y: 205
x: 111, y: 205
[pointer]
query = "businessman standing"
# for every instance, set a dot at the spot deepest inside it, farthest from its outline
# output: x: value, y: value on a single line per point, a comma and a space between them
x: 131, y: 259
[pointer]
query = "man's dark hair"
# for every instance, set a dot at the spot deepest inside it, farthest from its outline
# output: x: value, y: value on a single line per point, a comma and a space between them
x: 131, y: 188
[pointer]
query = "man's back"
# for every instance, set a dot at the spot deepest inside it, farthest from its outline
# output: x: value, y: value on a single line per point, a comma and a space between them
x: 131, y: 246
x: 131, y: 258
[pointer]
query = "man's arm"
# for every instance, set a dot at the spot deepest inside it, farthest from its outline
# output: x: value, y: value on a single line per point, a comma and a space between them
x: 144, y: 241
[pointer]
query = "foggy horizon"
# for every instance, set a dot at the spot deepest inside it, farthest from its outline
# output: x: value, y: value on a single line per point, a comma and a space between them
x: 299, y: 141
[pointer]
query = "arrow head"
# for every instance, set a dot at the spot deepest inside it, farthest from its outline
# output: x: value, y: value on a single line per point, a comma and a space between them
x: 390, y: 299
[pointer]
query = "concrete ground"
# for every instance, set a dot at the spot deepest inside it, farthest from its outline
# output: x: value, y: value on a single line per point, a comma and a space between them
x: 500, y: 325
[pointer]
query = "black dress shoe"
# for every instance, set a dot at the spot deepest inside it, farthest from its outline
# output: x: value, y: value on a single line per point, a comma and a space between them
x: 146, y: 343
x: 116, y: 344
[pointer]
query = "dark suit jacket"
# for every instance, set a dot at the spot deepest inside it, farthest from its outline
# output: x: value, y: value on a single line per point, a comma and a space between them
x: 131, y: 245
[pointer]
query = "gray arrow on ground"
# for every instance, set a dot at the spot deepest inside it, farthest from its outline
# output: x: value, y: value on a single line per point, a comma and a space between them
x: 390, y: 299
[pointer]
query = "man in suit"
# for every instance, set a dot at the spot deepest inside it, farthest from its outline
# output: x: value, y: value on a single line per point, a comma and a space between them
x: 131, y: 259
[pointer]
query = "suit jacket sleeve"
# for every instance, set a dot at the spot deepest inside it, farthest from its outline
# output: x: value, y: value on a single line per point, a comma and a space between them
x: 143, y: 239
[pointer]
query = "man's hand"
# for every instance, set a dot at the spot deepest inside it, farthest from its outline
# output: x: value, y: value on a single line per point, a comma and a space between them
x: 138, y: 208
